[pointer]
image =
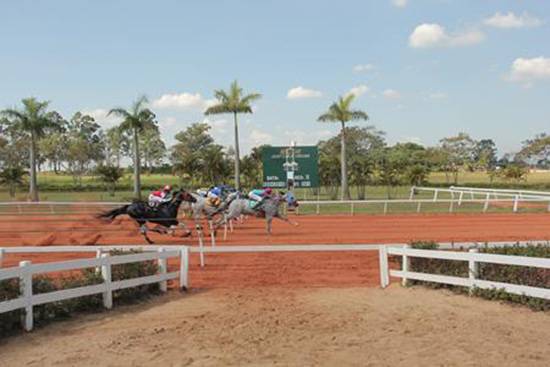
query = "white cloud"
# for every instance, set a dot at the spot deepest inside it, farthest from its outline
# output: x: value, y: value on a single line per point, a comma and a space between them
x: 511, y: 20
x: 100, y: 116
x: 434, y: 35
x: 219, y: 126
x: 438, y: 95
x: 529, y: 70
x: 167, y: 122
x: 400, y: 3
x: 391, y: 94
x: 412, y: 139
x: 358, y: 90
x: 258, y: 137
x: 301, y: 92
x: 302, y: 137
x: 363, y: 68
x: 183, y: 101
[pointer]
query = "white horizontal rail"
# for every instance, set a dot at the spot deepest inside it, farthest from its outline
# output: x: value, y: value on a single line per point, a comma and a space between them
x: 484, y: 190
x: 61, y: 203
x: 285, y: 248
x: 522, y: 195
x: 104, y: 262
x: 473, y: 258
x: 537, y: 262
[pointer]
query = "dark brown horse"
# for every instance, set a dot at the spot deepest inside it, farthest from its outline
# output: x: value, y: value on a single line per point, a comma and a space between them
x: 165, y: 215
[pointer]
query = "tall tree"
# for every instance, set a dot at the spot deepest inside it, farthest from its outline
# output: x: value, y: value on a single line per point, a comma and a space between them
x: 459, y: 152
x: 137, y: 118
x: 233, y: 101
x: 153, y: 148
x: 340, y: 111
x: 33, y: 120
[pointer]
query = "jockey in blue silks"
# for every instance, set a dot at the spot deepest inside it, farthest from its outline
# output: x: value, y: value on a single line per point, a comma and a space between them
x: 259, y: 195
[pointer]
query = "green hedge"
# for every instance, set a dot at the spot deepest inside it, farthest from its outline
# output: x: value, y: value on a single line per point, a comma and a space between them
x: 521, y: 275
x: 10, y: 322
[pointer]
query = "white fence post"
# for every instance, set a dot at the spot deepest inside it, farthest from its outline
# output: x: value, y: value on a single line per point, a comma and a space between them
x: 163, y: 269
x: 384, y: 271
x: 107, y: 279
x: 212, y: 234
x: 405, y: 266
x: 385, y: 207
x: 486, y: 205
x: 436, y: 191
x: 184, y: 268
x: 98, y: 254
x: 460, y: 198
x: 318, y: 211
x: 411, y: 196
x: 352, y: 208
x: 418, y: 206
x: 516, y: 203
x: 201, y: 247
x: 25, y: 287
x: 473, y: 269
x: 2, y: 251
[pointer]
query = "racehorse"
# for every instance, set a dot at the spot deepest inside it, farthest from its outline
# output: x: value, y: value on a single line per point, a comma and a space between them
x: 268, y: 209
x: 165, y: 215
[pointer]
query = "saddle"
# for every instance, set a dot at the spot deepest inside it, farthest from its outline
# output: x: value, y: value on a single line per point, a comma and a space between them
x: 214, y: 202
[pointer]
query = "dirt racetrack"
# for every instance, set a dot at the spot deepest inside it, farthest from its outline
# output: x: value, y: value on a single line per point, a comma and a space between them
x: 294, y: 327
x: 289, y: 269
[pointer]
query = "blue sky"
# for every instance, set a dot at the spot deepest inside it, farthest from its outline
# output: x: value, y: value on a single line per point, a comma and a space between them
x: 422, y: 69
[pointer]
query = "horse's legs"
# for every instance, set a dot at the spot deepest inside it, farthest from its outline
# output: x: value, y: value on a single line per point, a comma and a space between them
x: 143, y: 230
x: 286, y: 219
x: 268, y: 221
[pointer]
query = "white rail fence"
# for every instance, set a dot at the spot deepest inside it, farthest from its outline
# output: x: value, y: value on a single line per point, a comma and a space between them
x: 458, y: 197
x: 473, y: 257
x: 501, y: 192
x: 103, y: 263
x: 26, y: 270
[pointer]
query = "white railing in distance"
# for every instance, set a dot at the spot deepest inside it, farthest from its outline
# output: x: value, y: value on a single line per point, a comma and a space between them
x: 473, y: 257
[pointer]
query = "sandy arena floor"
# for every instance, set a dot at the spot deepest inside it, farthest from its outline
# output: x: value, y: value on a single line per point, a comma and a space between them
x: 294, y: 327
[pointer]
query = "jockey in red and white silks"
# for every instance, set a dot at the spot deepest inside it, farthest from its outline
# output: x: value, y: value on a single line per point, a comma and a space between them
x: 161, y: 196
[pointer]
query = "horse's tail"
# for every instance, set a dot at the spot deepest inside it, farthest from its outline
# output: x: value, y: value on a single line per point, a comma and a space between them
x: 112, y: 214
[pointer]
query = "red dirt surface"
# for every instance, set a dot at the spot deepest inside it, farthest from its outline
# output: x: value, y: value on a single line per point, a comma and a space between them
x: 292, y: 269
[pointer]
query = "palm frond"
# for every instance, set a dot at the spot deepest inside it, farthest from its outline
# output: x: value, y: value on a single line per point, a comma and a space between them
x: 359, y: 115
x: 217, y: 109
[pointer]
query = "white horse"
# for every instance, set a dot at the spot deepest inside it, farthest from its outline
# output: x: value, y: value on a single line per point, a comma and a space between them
x: 269, y: 209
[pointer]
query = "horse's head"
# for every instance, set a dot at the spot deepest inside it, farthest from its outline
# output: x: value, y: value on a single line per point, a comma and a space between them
x: 291, y: 200
x: 186, y: 196
x: 288, y: 197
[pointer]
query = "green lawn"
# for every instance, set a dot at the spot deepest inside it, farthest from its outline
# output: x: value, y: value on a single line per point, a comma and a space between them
x: 63, y: 188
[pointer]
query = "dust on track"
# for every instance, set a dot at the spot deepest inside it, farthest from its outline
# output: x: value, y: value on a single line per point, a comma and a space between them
x: 288, y: 269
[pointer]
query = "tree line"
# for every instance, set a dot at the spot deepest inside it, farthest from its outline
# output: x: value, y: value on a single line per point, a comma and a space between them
x: 34, y: 138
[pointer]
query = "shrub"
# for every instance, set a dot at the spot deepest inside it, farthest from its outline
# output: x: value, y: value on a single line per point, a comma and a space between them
x: 522, y: 275
x: 10, y: 322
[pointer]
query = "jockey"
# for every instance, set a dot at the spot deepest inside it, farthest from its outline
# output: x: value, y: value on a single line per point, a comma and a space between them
x: 160, y: 196
x: 214, y: 196
x: 259, y: 195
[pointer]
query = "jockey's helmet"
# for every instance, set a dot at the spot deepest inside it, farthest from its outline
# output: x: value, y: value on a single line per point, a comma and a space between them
x: 268, y: 190
x: 167, y: 188
x: 216, y: 191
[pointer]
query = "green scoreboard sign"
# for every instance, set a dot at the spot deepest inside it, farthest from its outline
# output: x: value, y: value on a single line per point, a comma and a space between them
x: 298, y: 165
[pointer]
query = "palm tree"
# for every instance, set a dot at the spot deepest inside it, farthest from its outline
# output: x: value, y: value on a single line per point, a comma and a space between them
x: 233, y: 102
x: 33, y: 120
x: 137, y: 118
x: 340, y: 111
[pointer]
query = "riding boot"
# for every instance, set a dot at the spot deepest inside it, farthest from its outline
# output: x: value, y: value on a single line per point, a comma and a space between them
x: 258, y: 205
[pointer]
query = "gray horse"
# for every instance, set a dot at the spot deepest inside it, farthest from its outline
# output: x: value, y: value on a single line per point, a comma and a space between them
x: 268, y: 209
